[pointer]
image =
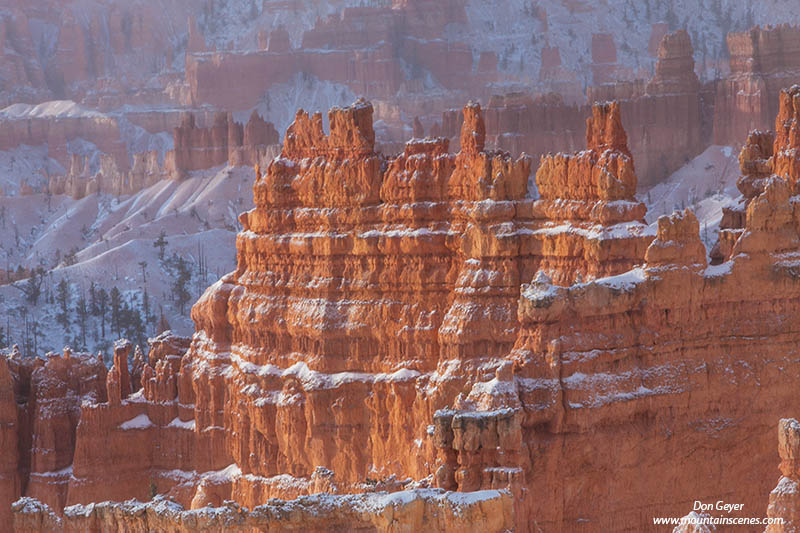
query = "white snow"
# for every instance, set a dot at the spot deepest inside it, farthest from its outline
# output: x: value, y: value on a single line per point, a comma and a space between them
x: 786, y: 486
x: 112, y: 237
x: 54, y: 109
x: 26, y: 163
x: 178, y: 423
x: 66, y: 471
x: 180, y: 475
x: 225, y: 475
x: 625, y: 281
x: 281, y: 101
x: 722, y: 269
x: 706, y: 184
x: 313, y: 380
x: 138, y: 422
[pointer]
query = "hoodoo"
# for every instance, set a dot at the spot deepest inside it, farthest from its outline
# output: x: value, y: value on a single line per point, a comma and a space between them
x: 523, y: 348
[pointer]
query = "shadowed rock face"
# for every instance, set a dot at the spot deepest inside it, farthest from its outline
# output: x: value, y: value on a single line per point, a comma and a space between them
x: 419, y: 317
x: 41, y: 407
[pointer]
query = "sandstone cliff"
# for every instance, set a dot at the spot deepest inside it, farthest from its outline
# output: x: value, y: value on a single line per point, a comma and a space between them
x: 224, y: 141
x: 762, y: 61
x: 554, y: 348
x: 415, y: 510
x: 663, y: 116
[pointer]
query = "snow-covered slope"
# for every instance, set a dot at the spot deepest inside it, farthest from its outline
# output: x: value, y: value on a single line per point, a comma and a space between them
x: 705, y: 184
x: 102, y: 242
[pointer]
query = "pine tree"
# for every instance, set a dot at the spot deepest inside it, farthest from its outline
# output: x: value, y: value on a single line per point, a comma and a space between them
x: 62, y: 296
x: 182, y: 278
x: 116, y: 308
x: 32, y: 288
x: 161, y: 244
x: 102, y: 308
x: 163, y: 325
x: 148, y: 317
x: 143, y: 266
x: 82, y: 311
x: 93, y: 299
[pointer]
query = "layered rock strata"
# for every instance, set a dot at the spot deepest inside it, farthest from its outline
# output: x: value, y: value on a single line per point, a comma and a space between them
x: 195, y: 148
x: 224, y: 141
x: 553, y: 348
x: 762, y: 62
x: 403, y: 292
x: 80, y: 181
x: 663, y: 116
x: 414, y: 510
x: 365, y: 48
x: 43, y: 400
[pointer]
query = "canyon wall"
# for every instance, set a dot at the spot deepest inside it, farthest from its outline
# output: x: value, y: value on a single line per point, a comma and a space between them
x: 672, y: 117
x: 51, y: 50
x: 763, y: 61
x: 664, y: 117
x: 34, y: 126
x: 368, y: 49
x: 112, y: 169
x: 42, y: 409
x: 225, y: 141
x: 552, y: 349
x: 80, y: 181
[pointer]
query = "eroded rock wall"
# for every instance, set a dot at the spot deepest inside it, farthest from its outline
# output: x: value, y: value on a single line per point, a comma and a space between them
x: 419, y: 320
x: 763, y: 61
x: 225, y: 141
x: 414, y: 510
x: 663, y: 116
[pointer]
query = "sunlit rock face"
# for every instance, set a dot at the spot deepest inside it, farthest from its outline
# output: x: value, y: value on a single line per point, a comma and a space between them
x: 422, y: 321
x: 375, y: 303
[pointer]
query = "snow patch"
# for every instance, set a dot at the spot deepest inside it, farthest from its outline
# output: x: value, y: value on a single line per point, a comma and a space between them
x: 178, y: 423
x: 138, y: 422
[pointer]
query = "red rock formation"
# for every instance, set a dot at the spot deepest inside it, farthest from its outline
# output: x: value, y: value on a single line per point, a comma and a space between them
x: 46, y: 399
x: 118, y: 383
x: 604, y: 57
x: 90, y: 49
x: 675, y: 66
x: 225, y: 141
x: 196, y: 43
x: 503, y: 240
x: 490, y: 511
x: 784, y: 502
x: 23, y: 78
x: 652, y: 113
x: 366, y: 48
x: 10, y: 483
x: 418, y: 132
x: 283, y: 377
x: 80, y: 181
x: 763, y: 61
x: 787, y: 136
x: 763, y: 155
x: 28, y: 128
x: 422, y: 302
